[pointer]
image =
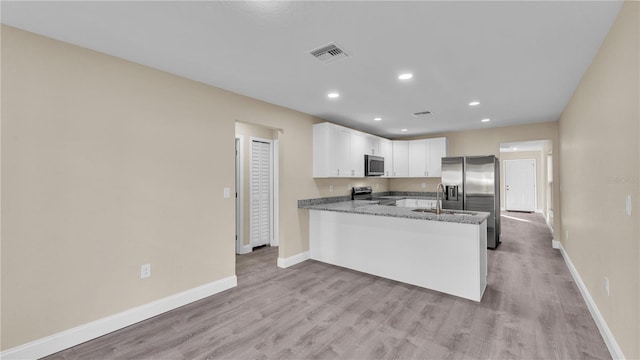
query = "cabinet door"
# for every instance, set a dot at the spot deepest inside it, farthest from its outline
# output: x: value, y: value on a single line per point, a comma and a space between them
x: 373, y: 146
x: 343, y: 147
x: 400, y: 159
x: 325, y: 150
x: 386, y: 151
x: 356, y: 155
x: 437, y: 150
x: 418, y: 158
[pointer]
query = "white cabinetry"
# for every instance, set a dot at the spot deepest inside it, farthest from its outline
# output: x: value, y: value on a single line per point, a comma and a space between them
x: 356, y: 154
x: 344, y: 149
x: 418, y: 158
x: 437, y: 149
x: 425, y: 157
x: 337, y: 151
x: 400, y: 158
x: 386, y: 151
x: 373, y: 146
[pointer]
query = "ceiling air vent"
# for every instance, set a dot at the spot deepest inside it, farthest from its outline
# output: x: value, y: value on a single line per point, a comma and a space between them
x: 421, y: 113
x: 329, y: 53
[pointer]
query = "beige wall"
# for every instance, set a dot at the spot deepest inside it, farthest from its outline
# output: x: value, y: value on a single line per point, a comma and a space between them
x: 487, y: 142
x: 108, y: 165
x: 599, y: 167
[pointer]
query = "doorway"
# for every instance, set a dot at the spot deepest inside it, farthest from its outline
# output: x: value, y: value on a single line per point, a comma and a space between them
x: 256, y: 187
x: 520, y: 185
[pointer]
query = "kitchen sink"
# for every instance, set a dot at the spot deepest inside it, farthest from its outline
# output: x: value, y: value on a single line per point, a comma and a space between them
x: 445, y: 211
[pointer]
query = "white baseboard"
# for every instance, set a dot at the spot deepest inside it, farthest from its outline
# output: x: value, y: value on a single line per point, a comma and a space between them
x: 77, y: 335
x: 610, y: 341
x: 245, y: 249
x: 292, y: 260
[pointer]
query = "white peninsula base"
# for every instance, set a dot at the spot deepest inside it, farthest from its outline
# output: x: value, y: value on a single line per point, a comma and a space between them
x: 444, y: 256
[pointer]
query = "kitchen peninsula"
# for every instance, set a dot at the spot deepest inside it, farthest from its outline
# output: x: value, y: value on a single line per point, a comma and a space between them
x: 398, y: 238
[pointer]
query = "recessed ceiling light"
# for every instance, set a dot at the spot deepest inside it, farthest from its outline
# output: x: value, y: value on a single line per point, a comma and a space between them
x: 403, y: 130
x: 333, y: 95
x: 377, y: 119
x: 485, y: 120
x: 474, y: 103
x: 405, y: 76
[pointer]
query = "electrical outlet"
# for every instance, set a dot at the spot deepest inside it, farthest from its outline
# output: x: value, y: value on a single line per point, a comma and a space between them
x: 226, y: 193
x: 566, y: 235
x: 145, y: 271
x: 606, y: 285
x: 424, y: 185
x: 377, y: 186
x: 628, y: 205
x: 330, y: 188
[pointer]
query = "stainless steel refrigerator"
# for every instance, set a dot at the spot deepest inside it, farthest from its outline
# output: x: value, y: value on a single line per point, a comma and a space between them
x: 473, y: 183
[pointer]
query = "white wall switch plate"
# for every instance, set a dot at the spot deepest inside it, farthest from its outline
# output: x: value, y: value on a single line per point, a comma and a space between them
x: 145, y: 271
x: 629, y: 207
x: 227, y: 193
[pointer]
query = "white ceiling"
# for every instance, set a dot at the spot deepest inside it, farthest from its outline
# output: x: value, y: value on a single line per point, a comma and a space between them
x: 521, y: 60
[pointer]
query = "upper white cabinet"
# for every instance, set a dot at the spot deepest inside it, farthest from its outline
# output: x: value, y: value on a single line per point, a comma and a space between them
x: 425, y: 157
x: 325, y: 150
x: 357, y: 154
x: 437, y: 149
x: 386, y: 151
x: 400, y: 158
x: 339, y: 152
x: 372, y: 146
x: 418, y: 158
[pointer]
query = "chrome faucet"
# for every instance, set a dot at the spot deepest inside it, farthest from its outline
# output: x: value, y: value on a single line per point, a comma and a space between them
x: 439, y: 199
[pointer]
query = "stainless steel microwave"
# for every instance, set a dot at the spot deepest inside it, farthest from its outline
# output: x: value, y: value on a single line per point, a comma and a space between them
x: 373, y: 165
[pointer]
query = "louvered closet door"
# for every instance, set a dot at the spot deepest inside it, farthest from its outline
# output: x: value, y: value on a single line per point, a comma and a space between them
x: 260, y: 193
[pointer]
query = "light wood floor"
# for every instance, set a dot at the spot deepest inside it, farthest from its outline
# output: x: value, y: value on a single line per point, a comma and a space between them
x: 531, y: 309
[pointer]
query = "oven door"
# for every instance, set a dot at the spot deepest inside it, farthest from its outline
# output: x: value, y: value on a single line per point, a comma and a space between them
x: 373, y: 165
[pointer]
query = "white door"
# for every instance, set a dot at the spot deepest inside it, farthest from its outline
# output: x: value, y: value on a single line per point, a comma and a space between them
x: 260, y: 193
x: 520, y: 185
